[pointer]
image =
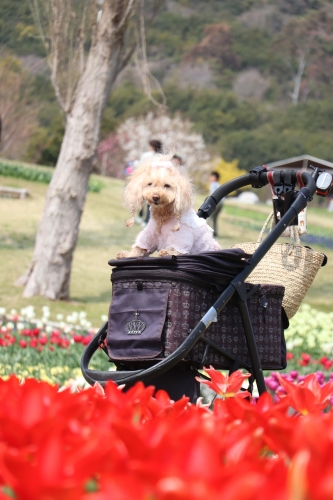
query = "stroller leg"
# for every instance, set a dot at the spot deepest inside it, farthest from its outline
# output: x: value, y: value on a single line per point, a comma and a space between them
x: 179, y: 381
x: 256, y: 365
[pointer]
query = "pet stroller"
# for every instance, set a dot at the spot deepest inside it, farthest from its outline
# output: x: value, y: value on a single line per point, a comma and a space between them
x: 171, y: 316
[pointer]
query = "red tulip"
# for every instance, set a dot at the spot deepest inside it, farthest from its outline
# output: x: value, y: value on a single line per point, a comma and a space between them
x: 227, y: 386
x: 86, y: 340
x: 307, y: 396
x: 306, y: 358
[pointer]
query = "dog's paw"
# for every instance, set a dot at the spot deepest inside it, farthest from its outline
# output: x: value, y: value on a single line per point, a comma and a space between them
x: 122, y: 255
x: 168, y: 251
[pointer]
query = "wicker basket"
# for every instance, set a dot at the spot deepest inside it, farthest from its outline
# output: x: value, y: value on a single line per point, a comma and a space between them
x: 288, y: 264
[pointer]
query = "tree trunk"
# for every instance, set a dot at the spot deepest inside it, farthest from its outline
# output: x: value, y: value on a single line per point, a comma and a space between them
x: 49, y: 272
x: 298, y: 78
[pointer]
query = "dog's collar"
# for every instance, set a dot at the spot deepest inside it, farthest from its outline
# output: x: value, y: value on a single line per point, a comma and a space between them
x: 162, y: 164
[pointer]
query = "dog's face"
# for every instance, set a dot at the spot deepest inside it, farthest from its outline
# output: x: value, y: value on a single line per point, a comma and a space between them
x: 159, y: 188
x: 160, y: 184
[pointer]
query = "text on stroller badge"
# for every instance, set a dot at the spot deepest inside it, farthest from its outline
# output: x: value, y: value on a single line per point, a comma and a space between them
x: 136, y: 326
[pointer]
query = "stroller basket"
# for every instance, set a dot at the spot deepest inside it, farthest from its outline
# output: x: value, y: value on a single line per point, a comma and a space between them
x: 154, y: 309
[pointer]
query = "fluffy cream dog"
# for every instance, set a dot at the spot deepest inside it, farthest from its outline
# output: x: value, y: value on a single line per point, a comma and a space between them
x: 173, y: 228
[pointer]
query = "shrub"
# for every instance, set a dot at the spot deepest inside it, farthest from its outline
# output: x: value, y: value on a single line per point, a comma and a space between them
x: 36, y: 175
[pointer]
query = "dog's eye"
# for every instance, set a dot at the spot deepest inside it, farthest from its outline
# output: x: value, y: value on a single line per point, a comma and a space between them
x: 167, y: 185
x: 150, y: 184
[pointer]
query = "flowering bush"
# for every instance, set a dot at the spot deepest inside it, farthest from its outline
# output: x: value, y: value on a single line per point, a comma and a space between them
x: 177, y: 137
x: 93, y: 445
x: 44, y: 349
x: 38, y: 175
x: 310, y: 331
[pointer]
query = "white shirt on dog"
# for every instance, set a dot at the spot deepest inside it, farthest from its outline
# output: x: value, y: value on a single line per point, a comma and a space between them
x: 193, y: 236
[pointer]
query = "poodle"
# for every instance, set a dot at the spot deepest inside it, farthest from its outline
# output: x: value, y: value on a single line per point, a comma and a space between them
x: 173, y: 228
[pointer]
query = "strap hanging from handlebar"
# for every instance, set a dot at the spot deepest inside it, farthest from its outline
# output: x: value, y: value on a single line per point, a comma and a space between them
x: 275, y: 180
x: 299, y: 178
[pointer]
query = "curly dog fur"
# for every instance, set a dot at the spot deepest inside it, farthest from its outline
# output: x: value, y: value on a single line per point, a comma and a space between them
x: 173, y: 228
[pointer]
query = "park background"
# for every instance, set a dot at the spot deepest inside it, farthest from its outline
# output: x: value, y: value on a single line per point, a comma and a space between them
x: 230, y: 85
x: 227, y: 85
x: 250, y: 82
x: 254, y: 77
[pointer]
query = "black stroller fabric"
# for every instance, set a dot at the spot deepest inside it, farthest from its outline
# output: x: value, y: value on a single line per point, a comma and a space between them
x: 220, y: 266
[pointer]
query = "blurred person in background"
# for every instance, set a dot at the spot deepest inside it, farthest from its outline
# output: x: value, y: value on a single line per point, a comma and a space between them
x: 130, y: 166
x: 155, y: 149
x: 177, y: 161
x: 330, y: 203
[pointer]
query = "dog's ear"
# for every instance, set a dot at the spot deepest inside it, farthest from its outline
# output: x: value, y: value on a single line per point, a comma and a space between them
x: 133, y: 198
x: 184, y: 194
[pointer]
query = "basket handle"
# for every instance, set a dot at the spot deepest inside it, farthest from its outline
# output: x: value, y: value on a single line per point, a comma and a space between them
x: 270, y: 218
x: 294, y: 233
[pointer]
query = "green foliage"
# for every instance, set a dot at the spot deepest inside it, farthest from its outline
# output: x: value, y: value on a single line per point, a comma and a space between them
x: 244, y: 130
x: 45, y: 144
x: 17, y: 30
x: 41, y: 86
x: 171, y: 34
x: 252, y: 46
x: 95, y: 186
x: 29, y: 174
x: 299, y: 7
x: 252, y: 132
x: 302, y: 129
x: 311, y: 116
x: 123, y: 97
x: 211, y: 110
x: 266, y: 144
x: 237, y: 8
x: 37, y: 175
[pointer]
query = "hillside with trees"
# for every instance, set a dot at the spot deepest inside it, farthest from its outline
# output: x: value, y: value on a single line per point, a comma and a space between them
x: 255, y: 77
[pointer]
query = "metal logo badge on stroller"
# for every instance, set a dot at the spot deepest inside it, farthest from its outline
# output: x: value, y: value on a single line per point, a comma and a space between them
x: 135, y: 326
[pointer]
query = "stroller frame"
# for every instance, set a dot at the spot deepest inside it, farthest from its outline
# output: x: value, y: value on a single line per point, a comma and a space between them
x: 282, y: 181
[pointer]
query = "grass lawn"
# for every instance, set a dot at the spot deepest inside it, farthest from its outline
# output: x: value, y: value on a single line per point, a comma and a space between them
x: 103, y: 234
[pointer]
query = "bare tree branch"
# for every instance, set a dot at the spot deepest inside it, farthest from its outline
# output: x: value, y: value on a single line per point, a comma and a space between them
x: 158, y: 6
x: 18, y: 112
x: 142, y: 63
x: 36, y: 16
x: 128, y: 12
x: 63, y: 27
x: 302, y: 60
x: 127, y: 57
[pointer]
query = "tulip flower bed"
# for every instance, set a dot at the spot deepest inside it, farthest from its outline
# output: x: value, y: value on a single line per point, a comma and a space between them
x: 96, y: 445
x: 52, y: 351
x: 42, y: 349
x: 273, y: 381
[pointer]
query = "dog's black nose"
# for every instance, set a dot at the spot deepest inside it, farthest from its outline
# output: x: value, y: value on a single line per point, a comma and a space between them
x: 156, y: 198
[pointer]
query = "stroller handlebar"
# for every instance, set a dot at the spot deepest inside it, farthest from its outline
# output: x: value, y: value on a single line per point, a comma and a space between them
x: 260, y: 177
